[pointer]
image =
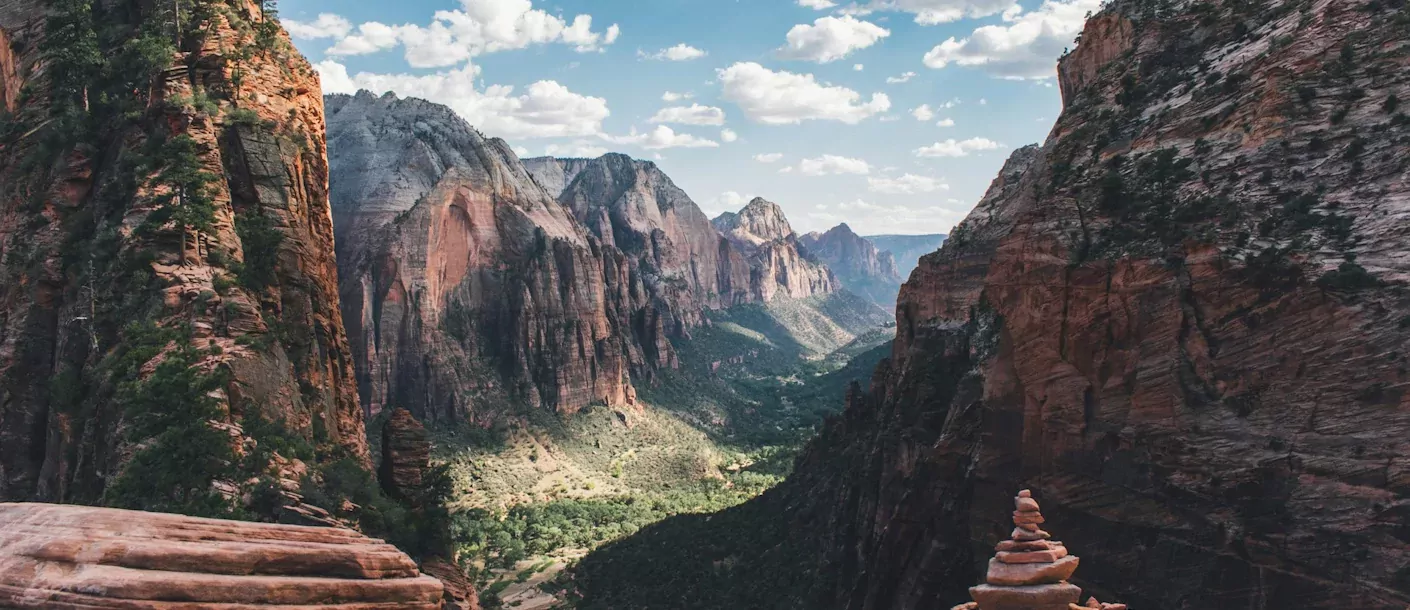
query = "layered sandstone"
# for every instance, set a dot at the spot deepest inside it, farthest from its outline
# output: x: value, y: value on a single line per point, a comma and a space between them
x: 71, y: 557
x: 406, y: 454
x: 858, y: 263
x: 466, y: 282
x: 780, y: 266
x: 84, y: 269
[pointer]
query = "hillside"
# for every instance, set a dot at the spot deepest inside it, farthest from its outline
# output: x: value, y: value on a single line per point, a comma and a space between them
x: 1179, y: 322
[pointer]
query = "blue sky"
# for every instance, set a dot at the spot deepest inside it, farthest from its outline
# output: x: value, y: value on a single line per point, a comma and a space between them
x: 891, y: 115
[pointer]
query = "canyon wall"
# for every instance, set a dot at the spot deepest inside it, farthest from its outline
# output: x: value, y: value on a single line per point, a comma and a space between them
x: 159, y: 200
x: 780, y: 266
x: 859, y: 265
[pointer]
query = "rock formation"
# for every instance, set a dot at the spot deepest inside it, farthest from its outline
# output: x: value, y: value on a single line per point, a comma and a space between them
x: 406, y: 454
x: 858, y: 264
x: 780, y: 267
x: 466, y: 283
x: 1181, y: 320
x: 907, y: 250
x: 1029, y: 570
x: 182, y: 194
x: 72, y: 557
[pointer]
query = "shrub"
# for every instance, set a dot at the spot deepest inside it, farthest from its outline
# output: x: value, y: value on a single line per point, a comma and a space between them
x: 1349, y: 277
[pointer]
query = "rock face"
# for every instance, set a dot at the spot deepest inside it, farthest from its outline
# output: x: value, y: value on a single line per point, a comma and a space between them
x: 406, y: 454
x: 193, y: 198
x: 780, y: 267
x: 907, y: 250
x: 1180, y: 321
x: 72, y: 557
x: 857, y: 262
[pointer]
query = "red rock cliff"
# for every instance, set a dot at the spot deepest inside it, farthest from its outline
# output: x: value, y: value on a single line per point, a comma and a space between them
x: 193, y: 199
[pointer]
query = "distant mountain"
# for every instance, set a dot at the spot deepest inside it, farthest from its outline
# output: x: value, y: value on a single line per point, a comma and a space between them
x: 907, y: 249
x: 858, y: 263
x: 779, y: 263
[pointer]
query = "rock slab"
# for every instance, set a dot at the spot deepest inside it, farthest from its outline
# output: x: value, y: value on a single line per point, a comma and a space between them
x: 72, y: 557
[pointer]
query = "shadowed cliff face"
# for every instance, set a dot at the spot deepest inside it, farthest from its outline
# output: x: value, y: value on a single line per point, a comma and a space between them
x: 192, y: 199
x: 780, y: 266
x: 465, y: 282
x: 859, y: 265
x: 1180, y: 322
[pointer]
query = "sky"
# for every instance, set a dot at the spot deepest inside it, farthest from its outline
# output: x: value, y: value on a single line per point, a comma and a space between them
x: 890, y: 115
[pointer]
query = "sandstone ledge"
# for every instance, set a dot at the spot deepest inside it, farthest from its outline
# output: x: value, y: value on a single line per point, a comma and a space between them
x: 54, y: 556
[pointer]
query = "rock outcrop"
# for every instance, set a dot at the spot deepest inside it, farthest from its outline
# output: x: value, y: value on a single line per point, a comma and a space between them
x: 181, y: 194
x: 780, y: 267
x: 73, y: 557
x: 475, y: 286
x: 1181, y: 321
x: 1029, y: 570
x: 858, y: 264
x: 406, y: 455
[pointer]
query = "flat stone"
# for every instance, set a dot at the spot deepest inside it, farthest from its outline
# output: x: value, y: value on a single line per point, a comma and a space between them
x: 1027, y: 504
x: 1031, y: 527
x: 1001, y: 573
x: 1014, y: 546
x: 1032, y: 556
x: 1027, y: 517
x: 1038, y: 597
x: 1023, y: 535
x: 1025, y: 494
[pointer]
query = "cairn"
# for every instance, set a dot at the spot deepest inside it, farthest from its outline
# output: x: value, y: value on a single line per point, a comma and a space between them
x: 1029, y: 571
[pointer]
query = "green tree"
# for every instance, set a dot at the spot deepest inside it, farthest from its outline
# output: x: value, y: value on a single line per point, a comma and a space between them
x: 71, y: 47
x: 184, y: 188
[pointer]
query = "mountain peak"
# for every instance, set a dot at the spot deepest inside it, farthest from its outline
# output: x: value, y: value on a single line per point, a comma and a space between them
x: 760, y: 221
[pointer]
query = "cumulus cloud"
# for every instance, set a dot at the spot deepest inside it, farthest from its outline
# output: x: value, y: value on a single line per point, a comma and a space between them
x: 820, y: 5
x: 830, y: 39
x: 544, y: 109
x: 923, y: 112
x: 908, y: 184
x: 933, y: 12
x: 663, y: 137
x: 768, y: 157
x: 671, y: 96
x: 327, y: 25
x: 478, y: 27
x: 957, y: 148
x: 833, y: 165
x: 728, y: 135
x: 903, y: 78
x: 1025, y: 48
x: 694, y: 114
x: 680, y: 52
x: 858, y: 67
x: 577, y: 149
x: 945, y: 123
x: 874, y: 218
x: 728, y: 201
x: 785, y: 98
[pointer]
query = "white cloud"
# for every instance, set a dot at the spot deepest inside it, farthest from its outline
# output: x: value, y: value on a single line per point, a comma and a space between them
x: 933, y: 12
x: 479, y: 27
x: 923, y: 112
x: 768, y: 157
x: 873, y: 218
x: 728, y: 201
x: 983, y: 102
x: 1026, y: 48
x: 945, y: 123
x: 728, y: 135
x: 953, y: 148
x: 694, y: 114
x: 785, y: 98
x: 817, y: 4
x: 671, y: 96
x: 833, y: 165
x: 680, y: 52
x: 904, y: 78
x: 327, y: 25
x: 858, y: 67
x: 950, y: 104
x: 908, y: 184
x: 663, y: 137
x: 521, y: 151
x: 545, y: 108
x: 577, y: 149
x: 830, y: 39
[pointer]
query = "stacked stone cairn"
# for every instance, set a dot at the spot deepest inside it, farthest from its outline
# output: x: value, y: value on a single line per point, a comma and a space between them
x: 1029, y: 571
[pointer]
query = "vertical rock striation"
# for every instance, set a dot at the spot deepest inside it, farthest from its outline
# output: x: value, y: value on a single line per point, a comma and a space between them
x: 191, y: 196
x: 780, y: 267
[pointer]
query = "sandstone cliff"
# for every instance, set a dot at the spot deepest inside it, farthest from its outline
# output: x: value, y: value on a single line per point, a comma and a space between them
x: 464, y: 282
x: 858, y: 264
x: 780, y: 266
x: 907, y: 250
x: 1181, y: 322
x: 159, y: 198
